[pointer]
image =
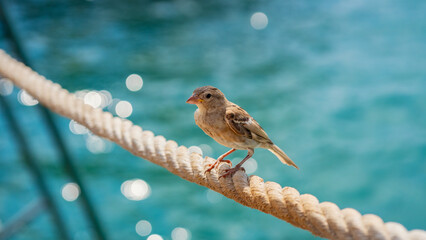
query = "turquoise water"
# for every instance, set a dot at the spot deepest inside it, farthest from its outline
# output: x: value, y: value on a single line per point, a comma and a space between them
x: 340, y: 86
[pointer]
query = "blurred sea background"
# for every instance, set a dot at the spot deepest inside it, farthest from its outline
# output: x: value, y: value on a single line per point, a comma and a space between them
x: 339, y: 85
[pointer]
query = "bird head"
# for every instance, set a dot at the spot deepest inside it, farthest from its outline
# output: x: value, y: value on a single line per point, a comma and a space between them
x: 207, y: 97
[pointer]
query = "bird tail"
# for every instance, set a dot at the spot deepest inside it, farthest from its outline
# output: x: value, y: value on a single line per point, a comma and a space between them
x: 282, y: 156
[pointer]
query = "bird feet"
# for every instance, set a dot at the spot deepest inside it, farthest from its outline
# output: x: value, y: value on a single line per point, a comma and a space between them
x: 231, y: 171
x: 216, y: 163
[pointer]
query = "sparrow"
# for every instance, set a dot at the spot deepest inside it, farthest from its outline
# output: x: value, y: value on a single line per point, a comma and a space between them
x: 230, y: 125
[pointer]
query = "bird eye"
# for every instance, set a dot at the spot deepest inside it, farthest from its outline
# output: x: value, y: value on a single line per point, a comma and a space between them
x: 208, y: 95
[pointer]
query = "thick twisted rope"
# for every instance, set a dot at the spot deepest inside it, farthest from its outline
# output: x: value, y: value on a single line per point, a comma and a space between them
x: 304, y: 211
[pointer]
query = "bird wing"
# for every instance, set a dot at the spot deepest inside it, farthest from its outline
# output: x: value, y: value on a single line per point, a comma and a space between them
x: 241, y: 123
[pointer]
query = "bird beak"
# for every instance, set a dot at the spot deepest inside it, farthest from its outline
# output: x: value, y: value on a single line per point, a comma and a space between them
x: 193, y: 99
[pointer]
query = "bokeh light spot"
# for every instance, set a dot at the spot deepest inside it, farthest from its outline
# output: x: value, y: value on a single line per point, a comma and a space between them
x: 195, y: 149
x: 143, y: 228
x: 81, y: 93
x: 259, y: 20
x: 181, y: 234
x: 106, y: 98
x: 123, y: 109
x: 70, y: 192
x: 135, y: 189
x: 134, y: 82
x: 250, y: 166
x: 93, y: 99
x: 96, y: 144
x: 6, y: 87
x: 77, y: 128
x: 155, y: 237
x: 26, y: 99
x: 206, y: 150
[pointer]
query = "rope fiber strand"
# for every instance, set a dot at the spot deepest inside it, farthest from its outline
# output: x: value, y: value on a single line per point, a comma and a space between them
x: 304, y: 211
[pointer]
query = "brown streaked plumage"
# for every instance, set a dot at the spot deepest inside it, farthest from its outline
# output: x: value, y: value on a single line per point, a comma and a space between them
x: 231, y: 126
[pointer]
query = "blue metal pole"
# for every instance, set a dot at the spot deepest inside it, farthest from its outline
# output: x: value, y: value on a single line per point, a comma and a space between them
x: 54, y: 130
x: 34, y: 169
